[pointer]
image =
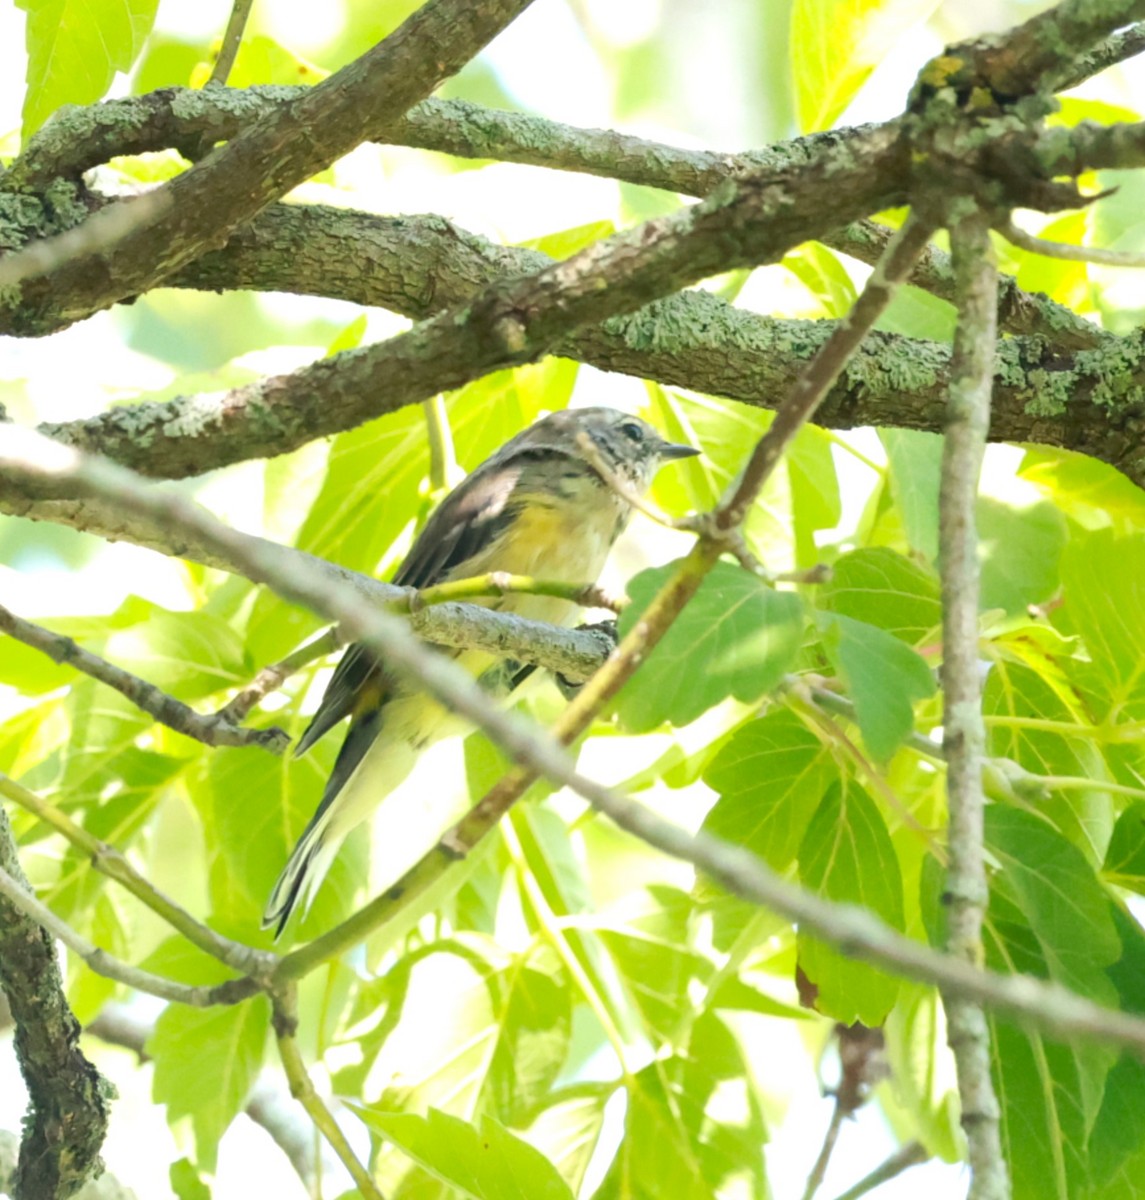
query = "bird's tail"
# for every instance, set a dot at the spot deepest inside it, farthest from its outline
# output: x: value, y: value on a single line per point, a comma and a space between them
x: 304, y: 871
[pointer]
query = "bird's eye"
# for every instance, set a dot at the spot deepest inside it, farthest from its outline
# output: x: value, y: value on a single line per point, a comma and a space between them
x: 632, y: 431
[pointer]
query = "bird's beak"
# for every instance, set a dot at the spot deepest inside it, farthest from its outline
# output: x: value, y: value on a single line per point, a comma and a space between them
x: 672, y: 450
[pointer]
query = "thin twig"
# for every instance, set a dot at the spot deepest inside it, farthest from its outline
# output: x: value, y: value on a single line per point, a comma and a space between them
x: 910, y: 1155
x: 964, y: 737
x: 303, y: 1090
x: 271, y: 678
x: 110, y: 967
x: 232, y: 39
x: 502, y: 583
x: 214, y: 730
x: 812, y: 386
x: 110, y: 862
x: 815, y: 1177
x: 1065, y: 250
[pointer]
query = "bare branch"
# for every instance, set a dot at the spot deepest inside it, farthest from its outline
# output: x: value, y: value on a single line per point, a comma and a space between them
x: 1065, y: 250
x: 302, y: 1089
x: 910, y: 1155
x: 972, y: 373
x: 212, y: 730
x: 271, y: 678
x: 232, y: 39
x: 86, y: 137
x: 1034, y: 56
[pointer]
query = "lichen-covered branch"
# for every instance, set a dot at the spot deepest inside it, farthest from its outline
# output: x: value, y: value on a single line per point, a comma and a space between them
x: 1035, y: 56
x: 964, y: 735
x: 67, y: 1116
x: 199, y: 209
x: 88, y: 136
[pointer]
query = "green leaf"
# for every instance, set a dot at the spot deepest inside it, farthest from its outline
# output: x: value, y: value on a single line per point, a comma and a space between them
x: 884, y: 678
x: 1049, y: 916
x: 835, y: 44
x: 824, y: 276
x: 486, y: 1163
x: 737, y: 637
x: 659, y: 973
x: 187, y: 654
x: 206, y: 1062
x: 568, y: 1129
x: 248, y: 843
x: 1089, y: 491
x: 881, y: 587
x: 1020, y: 549
x: 913, y: 462
x: 658, y: 1155
x: 1014, y: 691
x: 1125, y: 858
x: 186, y: 1182
x: 770, y: 777
x: 566, y: 242
x: 1049, y: 880
x: 923, y: 1103
x: 848, y: 857
x: 262, y: 60
x: 814, y: 484
x: 74, y: 49
x: 498, y: 1037
x: 711, y: 1082
x: 1103, y: 577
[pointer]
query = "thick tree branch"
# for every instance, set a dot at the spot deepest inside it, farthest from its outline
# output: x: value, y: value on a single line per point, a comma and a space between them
x: 964, y: 735
x: 510, y: 321
x: 288, y: 145
x: 67, y: 1117
x: 88, y: 136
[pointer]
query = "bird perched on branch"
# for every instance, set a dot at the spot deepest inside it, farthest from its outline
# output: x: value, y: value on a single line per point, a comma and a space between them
x: 549, y: 504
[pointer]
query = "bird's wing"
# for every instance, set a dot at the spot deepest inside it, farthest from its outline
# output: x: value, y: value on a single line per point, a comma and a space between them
x: 465, y: 524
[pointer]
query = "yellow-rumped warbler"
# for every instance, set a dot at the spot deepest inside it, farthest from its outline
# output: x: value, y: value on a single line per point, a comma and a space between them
x: 539, y: 506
